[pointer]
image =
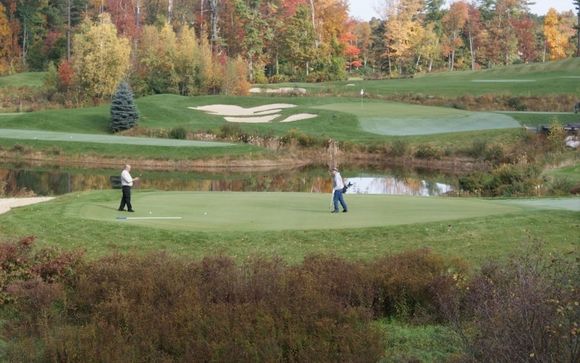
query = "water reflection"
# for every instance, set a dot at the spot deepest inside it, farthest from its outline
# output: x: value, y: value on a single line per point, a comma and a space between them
x: 21, y: 180
x: 394, y: 186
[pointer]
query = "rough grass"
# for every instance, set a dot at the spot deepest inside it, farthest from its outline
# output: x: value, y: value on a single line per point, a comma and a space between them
x: 476, y: 239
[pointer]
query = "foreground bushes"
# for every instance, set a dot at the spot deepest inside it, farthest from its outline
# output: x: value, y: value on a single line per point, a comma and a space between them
x: 161, y: 308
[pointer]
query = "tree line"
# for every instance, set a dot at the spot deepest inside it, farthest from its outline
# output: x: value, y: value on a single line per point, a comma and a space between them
x: 218, y: 46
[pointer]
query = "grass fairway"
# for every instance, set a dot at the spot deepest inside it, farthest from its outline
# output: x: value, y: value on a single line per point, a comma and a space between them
x: 290, y: 225
x: 536, y: 79
x: 398, y: 119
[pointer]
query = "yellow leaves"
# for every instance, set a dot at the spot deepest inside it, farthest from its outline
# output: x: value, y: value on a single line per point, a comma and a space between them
x: 556, y: 39
x: 100, y: 57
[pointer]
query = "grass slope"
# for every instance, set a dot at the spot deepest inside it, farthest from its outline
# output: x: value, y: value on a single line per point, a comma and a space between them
x: 104, y: 139
x: 536, y: 79
x: 337, y: 118
x: 25, y: 79
x: 477, y: 230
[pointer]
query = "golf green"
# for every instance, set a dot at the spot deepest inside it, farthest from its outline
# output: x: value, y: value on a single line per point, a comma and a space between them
x: 228, y: 211
x: 399, y: 119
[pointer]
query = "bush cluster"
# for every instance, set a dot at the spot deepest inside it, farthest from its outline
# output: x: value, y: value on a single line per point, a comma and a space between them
x: 526, y: 310
x: 507, y: 180
x: 127, y: 308
x: 158, y: 308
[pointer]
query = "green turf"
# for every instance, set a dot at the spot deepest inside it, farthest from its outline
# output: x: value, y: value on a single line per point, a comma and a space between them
x: 339, y: 122
x: 494, y: 230
x: 389, y: 118
x: 103, y: 139
x: 571, y: 173
x: 536, y: 79
x: 26, y: 79
x: 287, y: 211
x: 543, y: 118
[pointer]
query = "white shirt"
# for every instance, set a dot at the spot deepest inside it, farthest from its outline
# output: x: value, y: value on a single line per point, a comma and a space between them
x: 337, y: 182
x: 126, y: 179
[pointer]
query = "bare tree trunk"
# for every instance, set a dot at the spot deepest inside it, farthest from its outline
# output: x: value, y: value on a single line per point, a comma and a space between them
x: 430, y: 64
x: 578, y: 33
x: 316, y: 40
x: 471, y: 51
x: 213, y: 8
x: 169, y: 11
x: 24, y: 36
x: 68, y: 34
x: 544, y: 53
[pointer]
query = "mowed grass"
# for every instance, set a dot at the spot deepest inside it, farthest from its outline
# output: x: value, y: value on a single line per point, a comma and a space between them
x: 25, y: 79
x: 536, y: 79
x: 338, y: 118
x: 248, y: 211
x: 290, y: 225
x: 389, y: 118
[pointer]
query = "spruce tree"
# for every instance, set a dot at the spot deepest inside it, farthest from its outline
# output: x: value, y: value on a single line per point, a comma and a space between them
x: 124, y: 114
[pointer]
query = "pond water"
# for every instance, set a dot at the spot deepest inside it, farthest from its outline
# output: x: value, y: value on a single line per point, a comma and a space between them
x: 23, y: 180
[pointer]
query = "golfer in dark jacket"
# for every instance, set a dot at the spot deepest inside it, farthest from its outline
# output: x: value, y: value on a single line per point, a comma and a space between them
x: 126, y: 184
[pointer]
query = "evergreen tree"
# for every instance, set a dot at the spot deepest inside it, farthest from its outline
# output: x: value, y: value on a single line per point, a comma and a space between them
x: 124, y: 114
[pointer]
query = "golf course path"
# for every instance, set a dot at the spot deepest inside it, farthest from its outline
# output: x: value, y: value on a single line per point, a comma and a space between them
x: 8, y: 203
x: 103, y: 139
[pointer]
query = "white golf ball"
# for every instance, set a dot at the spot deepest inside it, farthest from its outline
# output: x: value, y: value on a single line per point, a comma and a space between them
x: 205, y: 213
x: 150, y: 212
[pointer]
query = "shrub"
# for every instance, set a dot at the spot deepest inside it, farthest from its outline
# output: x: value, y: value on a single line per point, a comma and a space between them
x: 399, y: 148
x: 525, y: 310
x: 179, y: 133
x: 427, y: 152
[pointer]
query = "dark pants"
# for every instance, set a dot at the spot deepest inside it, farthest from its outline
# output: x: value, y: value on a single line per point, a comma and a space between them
x: 126, y: 199
x: 338, y: 198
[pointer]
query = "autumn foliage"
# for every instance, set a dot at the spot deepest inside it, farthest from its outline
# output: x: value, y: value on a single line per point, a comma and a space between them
x: 160, y: 308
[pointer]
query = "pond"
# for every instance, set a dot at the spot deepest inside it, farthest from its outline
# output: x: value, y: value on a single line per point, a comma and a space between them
x: 25, y: 180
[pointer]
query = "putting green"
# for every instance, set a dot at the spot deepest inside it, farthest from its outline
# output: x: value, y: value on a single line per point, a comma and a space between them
x: 227, y: 211
x: 398, y: 119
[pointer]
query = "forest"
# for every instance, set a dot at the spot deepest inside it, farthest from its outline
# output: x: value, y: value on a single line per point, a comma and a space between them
x: 193, y: 47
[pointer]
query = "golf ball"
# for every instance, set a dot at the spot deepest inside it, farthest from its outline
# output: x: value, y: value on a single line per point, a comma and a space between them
x: 150, y: 212
x: 205, y: 213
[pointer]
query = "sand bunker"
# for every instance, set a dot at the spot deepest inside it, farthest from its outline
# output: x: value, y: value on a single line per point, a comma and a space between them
x: 8, y: 203
x: 233, y: 110
x: 282, y: 90
x: 299, y: 116
x: 502, y: 80
x: 256, y: 120
x: 258, y: 114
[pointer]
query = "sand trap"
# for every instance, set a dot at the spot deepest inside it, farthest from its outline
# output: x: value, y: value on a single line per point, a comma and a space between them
x: 299, y: 116
x: 282, y: 90
x: 8, y: 203
x: 233, y: 110
x: 502, y: 80
x: 254, y: 120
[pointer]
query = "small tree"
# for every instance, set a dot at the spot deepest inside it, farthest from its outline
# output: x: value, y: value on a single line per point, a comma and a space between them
x: 124, y: 114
